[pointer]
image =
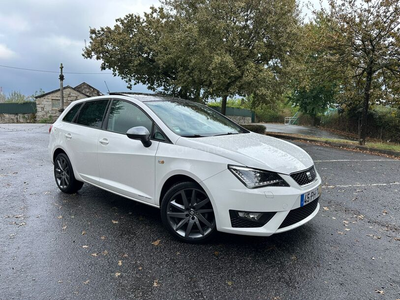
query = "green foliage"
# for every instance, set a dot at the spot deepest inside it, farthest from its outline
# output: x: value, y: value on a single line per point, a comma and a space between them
x: 361, y: 41
x: 383, y: 122
x: 313, y: 101
x: 255, y: 128
x: 16, y: 97
x: 202, y: 49
x: 47, y: 120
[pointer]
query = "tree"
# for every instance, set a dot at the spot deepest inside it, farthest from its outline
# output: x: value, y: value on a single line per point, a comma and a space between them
x: 16, y: 97
x: 363, y: 38
x: 202, y: 49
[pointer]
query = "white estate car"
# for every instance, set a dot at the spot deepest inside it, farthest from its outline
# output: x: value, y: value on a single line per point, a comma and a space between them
x: 203, y: 171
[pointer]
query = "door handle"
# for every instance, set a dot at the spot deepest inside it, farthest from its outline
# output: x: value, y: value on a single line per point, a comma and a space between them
x: 68, y: 136
x: 104, y: 141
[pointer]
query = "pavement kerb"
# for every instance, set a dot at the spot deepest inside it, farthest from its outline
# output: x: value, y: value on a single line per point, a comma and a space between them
x: 333, y: 144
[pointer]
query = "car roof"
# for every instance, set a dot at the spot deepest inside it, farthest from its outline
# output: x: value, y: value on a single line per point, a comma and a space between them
x: 143, y: 97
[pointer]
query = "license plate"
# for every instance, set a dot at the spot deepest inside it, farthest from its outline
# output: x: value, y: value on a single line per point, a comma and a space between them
x: 309, y: 196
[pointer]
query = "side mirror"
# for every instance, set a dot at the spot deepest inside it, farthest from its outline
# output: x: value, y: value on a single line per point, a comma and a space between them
x: 140, y: 133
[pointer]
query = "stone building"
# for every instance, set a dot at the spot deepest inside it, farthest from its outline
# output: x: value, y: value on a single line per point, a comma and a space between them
x: 48, y: 104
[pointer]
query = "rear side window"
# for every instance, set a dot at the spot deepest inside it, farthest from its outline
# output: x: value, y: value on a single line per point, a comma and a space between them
x: 92, y: 113
x: 71, y: 114
x: 124, y: 115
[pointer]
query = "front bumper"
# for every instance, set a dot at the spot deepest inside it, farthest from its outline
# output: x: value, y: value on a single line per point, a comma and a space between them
x: 282, y: 205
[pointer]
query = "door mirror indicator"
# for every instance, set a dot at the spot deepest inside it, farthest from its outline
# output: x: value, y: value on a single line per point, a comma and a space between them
x: 140, y: 133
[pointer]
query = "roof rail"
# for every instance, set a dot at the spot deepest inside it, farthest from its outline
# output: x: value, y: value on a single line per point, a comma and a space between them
x: 134, y: 93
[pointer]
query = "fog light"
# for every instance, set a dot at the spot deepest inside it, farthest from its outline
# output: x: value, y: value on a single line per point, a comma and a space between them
x: 250, y: 215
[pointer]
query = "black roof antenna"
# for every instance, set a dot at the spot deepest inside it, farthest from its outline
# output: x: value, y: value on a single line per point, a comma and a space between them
x: 107, y: 87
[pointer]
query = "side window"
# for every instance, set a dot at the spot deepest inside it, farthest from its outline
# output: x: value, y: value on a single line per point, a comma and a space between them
x: 158, y: 135
x: 92, y: 113
x: 124, y: 115
x: 72, y: 112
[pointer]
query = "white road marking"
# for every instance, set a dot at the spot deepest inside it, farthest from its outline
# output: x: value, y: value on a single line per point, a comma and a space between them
x: 359, y: 185
x: 356, y: 160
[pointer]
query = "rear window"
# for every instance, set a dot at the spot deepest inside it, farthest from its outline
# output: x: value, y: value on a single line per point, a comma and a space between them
x: 69, y: 117
x: 92, y: 113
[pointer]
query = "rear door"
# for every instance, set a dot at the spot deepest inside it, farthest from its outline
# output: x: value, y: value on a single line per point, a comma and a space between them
x: 126, y: 166
x: 81, y: 139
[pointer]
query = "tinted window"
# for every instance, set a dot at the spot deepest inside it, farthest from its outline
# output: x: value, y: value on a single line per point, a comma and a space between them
x: 92, y: 113
x: 125, y: 115
x: 71, y: 114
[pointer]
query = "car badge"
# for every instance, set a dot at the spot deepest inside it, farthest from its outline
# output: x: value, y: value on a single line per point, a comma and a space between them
x: 309, y: 175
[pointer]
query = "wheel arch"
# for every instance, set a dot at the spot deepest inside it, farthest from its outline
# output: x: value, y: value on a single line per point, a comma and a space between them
x: 173, y: 180
x: 56, y: 152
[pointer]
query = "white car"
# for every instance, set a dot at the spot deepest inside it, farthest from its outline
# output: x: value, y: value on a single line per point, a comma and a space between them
x: 203, y: 171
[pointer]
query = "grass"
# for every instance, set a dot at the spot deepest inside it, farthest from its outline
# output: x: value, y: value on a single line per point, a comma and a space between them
x: 373, y: 145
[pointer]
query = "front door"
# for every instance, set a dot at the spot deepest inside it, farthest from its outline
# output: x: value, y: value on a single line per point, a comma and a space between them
x: 126, y: 166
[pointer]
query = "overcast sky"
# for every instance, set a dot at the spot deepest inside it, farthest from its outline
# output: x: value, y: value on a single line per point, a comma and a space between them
x: 41, y: 34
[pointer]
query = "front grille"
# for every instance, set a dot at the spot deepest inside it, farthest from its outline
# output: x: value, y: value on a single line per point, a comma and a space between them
x: 298, y: 214
x: 305, y: 177
x: 239, y: 222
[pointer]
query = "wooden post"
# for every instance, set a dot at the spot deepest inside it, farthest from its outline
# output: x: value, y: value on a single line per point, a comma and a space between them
x: 61, y: 77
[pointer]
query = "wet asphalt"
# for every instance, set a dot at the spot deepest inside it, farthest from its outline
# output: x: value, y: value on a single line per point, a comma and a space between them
x: 95, y: 245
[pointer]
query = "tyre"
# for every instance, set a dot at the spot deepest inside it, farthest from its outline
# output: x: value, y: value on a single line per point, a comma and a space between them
x: 64, y: 175
x: 187, y: 213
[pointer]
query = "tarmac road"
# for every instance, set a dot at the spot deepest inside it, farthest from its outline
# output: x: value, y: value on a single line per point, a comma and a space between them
x: 95, y: 245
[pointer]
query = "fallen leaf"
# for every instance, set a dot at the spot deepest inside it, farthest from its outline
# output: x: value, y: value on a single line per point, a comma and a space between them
x: 125, y: 255
x: 155, y: 283
x: 85, y: 246
x: 59, y: 217
x: 120, y: 263
x: 216, y: 253
x: 117, y: 274
x: 334, y: 218
x: 346, y: 222
x: 347, y: 229
x: 103, y: 237
x: 94, y: 254
x: 340, y: 232
x: 140, y: 268
x: 156, y: 243
x: 115, y: 222
x: 64, y: 227
x: 83, y: 232
x: 397, y: 239
x: 385, y: 212
x: 229, y: 283
x: 105, y: 252
x: 325, y: 208
x: 60, y: 281
x: 294, y: 257
x: 380, y: 292
x: 86, y: 282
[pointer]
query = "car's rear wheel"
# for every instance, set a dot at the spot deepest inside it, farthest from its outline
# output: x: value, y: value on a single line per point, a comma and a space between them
x: 187, y: 212
x: 64, y: 175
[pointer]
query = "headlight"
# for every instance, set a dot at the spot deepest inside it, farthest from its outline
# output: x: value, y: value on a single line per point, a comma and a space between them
x: 253, y: 178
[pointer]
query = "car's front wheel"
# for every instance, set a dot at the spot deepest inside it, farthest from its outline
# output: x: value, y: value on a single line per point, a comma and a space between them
x: 187, y: 212
x: 64, y: 175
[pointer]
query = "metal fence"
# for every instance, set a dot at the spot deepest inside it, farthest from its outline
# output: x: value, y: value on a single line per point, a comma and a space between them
x: 234, y: 111
x: 18, y: 108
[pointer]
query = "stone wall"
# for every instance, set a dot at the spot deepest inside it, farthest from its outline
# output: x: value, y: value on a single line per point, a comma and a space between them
x: 44, y: 105
x: 17, y: 118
